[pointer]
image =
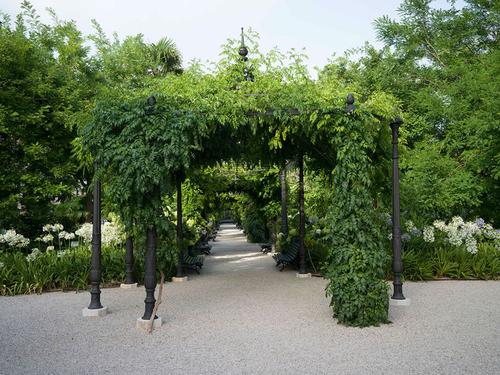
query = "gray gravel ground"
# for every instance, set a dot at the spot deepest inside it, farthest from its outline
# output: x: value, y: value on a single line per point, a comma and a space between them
x: 242, y: 316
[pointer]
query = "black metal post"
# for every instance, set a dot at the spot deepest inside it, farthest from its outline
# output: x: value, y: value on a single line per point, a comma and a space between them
x: 397, y: 263
x: 284, y: 203
x: 95, y: 267
x: 129, y: 261
x: 302, y: 221
x: 178, y: 181
x: 150, y: 273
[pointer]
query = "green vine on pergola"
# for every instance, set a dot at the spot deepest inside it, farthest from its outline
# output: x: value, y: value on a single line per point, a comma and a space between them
x: 199, y: 117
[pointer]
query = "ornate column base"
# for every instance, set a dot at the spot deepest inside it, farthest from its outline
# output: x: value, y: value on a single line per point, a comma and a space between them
x: 94, y: 312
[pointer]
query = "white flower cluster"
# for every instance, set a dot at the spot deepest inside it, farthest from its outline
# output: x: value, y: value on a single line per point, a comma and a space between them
x: 66, y: 236
x: 428, y: 234
x: 11, y: 238
x: 111, y: 233
x: 412, y: 229
x: 47, y: 238
x: 52, y: 227
x: 492, y: 234
x: 85, y: 232
x: 458, y: 232
x: 35, y: 253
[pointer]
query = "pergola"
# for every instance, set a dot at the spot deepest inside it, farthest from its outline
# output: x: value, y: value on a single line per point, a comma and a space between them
x: 96, y: 308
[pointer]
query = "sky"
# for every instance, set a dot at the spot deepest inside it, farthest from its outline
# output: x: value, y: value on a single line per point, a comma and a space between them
x: 199, y: 28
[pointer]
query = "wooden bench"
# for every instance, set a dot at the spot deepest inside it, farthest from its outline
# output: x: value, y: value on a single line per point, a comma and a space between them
x: 194, y: 262
x: 266, y: 248
x: 203, y: 247
x: 283, y: 259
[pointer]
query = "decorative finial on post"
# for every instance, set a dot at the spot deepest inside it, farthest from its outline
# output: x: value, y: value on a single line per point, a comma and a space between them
x: 397, y: 122
x: 243, y: 52
x: 150, y: 103
x: 350, y: 103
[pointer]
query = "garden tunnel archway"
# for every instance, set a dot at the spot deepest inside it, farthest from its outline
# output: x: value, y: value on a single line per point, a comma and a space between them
x: 144, y: 148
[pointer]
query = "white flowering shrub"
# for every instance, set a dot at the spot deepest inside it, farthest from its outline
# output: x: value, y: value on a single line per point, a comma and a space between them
x: 66, y: 235
x: 35, y: 253
x: 428, y: 234
x: 52, y: 228
x: 14, y: 240
x: 112, y: 233
x: 85, y: 232
x: 457, y: 232
x: 47, y: 238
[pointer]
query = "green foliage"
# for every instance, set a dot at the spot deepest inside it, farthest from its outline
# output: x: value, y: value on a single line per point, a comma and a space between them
x: 227, y: 135
x: 49, y: 83
x: 443, y: 66
x: 141, y: 148
x: 450, y: 262
x: 144, y: 151
x: 255, y: 225
x: 49, y: 271
x: 359, y: 294
x: 435, y: 185
x: 45, y: 82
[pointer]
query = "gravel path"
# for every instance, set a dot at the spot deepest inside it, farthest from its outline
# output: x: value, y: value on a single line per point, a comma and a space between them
x: 242, y: 316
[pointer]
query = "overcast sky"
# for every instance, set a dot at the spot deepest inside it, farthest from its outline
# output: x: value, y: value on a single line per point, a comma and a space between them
x: 199, y: 28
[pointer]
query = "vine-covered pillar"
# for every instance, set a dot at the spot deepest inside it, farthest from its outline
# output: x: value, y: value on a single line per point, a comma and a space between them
x: 95, y: 307
x: 150, y: 273
x: 284, y: 203
x: 302, y: 218
x: 397, y: 263
x: 357, y: 258
x: 180, y: 270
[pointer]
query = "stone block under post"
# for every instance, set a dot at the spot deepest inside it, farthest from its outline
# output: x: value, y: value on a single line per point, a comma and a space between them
x: 303, y: 275
x: 179, y: 279
x: 399, y: 302
x: 144, y: 324
x: 86, y: 312
x: 128, y: 286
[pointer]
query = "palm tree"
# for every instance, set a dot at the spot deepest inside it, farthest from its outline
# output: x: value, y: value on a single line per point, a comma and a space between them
x: 166, y: 57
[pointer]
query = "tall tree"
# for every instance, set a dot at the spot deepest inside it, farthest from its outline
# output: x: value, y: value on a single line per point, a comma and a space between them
x: 443, y: 65
x: 43, y: 86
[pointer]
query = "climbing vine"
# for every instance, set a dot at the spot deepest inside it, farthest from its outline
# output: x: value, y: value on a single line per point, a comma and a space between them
x: 204, y: 116
x: 359, y: 294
